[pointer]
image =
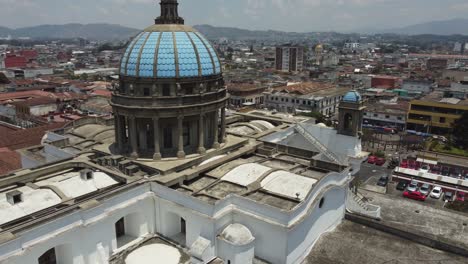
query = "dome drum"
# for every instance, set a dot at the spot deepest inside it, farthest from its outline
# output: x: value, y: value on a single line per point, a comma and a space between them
x: 172, y: 98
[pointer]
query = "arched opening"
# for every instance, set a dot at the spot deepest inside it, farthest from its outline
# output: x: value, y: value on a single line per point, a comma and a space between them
x: 130, y: 228
x: 58, y: 255
x: 348, y: 122
x: 49, y: 257
x: 175, y: 228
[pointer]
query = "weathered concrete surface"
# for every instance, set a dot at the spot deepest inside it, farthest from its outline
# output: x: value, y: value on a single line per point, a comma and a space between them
x: 351, y: 243
x: 410, y: 215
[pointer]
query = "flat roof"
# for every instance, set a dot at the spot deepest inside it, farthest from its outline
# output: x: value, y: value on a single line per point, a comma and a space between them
x: 277, y: 182
x: 50, y: 190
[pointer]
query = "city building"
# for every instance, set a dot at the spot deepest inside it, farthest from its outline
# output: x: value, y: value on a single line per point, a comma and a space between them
x: 289, y: 58
x: 308, y: 97
x: 385, y: 82
x: 246, y: 94
x: 435, y: 113
x: 387, y: 114
x: 170, y: 180
x: 421, y: 86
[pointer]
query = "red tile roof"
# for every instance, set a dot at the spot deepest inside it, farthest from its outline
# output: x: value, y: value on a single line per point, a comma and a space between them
x: 9, y: 161
x: 27, y: 137
x: 104, y: 93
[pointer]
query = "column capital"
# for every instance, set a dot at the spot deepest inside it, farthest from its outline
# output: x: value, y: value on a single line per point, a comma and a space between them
x: 180, y: 117
x: 155, y: 118
x: 131, y: 117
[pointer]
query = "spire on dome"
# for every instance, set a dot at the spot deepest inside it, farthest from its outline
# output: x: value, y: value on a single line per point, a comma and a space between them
x: 169, y: 13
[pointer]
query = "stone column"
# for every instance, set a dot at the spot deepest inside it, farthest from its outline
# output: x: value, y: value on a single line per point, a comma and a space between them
x: 201, y: 135
x: 142, y: 131
x: 180, y: 141
x: 216, y: 130
x: 223, y: 124
x: 133, y: 134
x: 118, y: 133
x: 123, y: 131
x: 157, y: 147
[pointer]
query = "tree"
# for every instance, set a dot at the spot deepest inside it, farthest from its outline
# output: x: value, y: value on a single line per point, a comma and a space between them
x: 459, y: 131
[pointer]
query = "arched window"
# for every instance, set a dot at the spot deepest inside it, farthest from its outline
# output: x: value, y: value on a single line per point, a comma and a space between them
x: 322, y: 201
x: 348, y: 121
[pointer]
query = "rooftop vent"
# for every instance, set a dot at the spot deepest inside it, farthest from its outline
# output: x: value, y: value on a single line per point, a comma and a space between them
x: 86, y: 174
x: 14, y: 197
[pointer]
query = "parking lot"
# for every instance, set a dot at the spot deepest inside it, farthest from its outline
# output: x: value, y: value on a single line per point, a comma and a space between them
x: 429, y: 217
x: 370, y: 175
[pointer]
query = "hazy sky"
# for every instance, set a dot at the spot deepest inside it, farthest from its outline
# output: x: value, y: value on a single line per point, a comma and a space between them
x: 289, y: 15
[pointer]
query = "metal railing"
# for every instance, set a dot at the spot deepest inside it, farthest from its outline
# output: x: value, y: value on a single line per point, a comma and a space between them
x: 322, y: 148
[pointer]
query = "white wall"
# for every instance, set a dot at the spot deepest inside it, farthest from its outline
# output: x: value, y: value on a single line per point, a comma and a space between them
x: 303, y: 236
x: 83, y: 231
x: 88, y: 236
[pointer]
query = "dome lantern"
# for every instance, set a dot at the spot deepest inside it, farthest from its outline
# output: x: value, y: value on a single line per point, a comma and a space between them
x: 169, y: 13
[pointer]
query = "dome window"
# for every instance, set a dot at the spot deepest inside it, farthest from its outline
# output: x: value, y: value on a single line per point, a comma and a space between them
x: 166, y: 90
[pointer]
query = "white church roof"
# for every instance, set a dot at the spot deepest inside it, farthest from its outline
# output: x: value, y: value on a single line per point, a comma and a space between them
x: 73, y: 186
x: 246, y: 174
x: 237, y: 234
x: 288, y: 184
x: 32, y: 201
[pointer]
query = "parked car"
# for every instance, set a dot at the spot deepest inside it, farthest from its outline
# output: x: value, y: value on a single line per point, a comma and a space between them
x: 404, y: 164
x: 412, y: 187
x: 436, y: 192
x: 380, y: 161
x: 445, y: 171
x: 383, y: 181
x: 424, y: 168
x: 448, y: 196
x: 402, y: 185
x: 461, y: 196
x: 372, y: 159
x: 435, y: 170
x: 392, y: 164
x: 414, y: 195
x: 425, y: 189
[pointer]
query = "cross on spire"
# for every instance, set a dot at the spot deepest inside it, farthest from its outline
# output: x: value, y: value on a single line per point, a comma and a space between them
x: 169, y: 13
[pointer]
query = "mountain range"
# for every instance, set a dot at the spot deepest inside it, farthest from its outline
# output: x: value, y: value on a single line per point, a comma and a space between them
x: 117, y: 32
x: 69, y: 31
x: 445, y: 27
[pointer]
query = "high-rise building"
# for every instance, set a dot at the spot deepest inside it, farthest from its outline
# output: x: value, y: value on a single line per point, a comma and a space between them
x: 289, y: 58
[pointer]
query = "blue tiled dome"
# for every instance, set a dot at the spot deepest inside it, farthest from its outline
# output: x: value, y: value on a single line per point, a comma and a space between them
x: 170, y: 51
x: 352, y: 96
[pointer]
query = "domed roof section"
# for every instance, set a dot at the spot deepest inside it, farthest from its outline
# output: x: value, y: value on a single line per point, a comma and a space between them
x: 170, y: 49
x: 237, y: 234
x: 352, y: 96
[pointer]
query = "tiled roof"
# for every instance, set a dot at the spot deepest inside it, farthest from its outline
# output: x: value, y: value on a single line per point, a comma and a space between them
x: 35, y: 101
x: 169, y: 55
x: 27, y: 137
x: 105, y: 93
x: 9, y: 161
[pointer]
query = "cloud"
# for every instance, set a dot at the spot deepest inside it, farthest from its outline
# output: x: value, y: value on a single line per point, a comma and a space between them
x: 293, y: 15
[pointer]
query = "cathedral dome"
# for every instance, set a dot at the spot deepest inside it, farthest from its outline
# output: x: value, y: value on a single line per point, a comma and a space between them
x: 170, y: 51
x: 171, y: 95
x: 352, y: 96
